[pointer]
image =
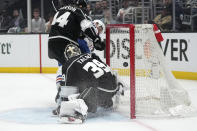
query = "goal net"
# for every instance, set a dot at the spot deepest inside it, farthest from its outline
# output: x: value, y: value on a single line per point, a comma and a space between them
x: 134, y: 53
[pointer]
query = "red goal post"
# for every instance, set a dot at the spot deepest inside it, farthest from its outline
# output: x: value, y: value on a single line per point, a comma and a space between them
x: 132, y: 60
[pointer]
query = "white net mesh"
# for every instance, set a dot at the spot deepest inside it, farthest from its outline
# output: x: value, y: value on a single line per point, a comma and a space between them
x: 157, y: 92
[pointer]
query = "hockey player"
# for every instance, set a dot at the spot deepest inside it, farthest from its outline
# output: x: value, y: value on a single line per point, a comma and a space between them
x: 67, y: 24
x: 88, y: 83
x: 86, y: 46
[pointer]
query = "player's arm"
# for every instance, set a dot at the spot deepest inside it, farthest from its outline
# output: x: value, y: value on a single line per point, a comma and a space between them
x: 90, y: 30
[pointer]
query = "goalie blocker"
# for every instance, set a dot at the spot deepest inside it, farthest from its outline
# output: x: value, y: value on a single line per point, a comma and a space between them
x: 89, y: 84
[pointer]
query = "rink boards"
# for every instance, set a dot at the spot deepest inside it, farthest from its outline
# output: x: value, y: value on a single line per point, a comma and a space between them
x: 28, y: 53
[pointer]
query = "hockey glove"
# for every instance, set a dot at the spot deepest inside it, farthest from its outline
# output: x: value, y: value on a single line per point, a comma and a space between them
x: 94, y: 56
x: 98, y: 44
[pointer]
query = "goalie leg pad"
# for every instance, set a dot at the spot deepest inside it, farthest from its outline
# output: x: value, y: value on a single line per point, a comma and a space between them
x: 64, y: 92
x: 69, y: 108
x: 68, y: 90
x: 74, y: 111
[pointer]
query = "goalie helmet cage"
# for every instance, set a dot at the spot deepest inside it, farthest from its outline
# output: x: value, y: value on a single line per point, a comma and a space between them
x: 133, y: 51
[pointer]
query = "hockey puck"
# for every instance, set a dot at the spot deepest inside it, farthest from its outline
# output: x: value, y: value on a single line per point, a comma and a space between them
x: 125, y: 64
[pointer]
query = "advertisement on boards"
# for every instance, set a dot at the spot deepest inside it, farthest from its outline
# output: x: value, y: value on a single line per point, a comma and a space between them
x: 180, y: 50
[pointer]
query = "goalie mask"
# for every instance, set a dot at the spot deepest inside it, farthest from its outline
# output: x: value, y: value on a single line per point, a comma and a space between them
x: 71, y: 51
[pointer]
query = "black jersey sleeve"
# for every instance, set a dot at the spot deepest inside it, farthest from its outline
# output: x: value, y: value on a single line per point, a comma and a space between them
x: 87, y: 26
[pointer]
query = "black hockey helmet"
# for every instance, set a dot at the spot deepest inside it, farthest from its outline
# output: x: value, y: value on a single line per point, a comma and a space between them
x: 66, y: 2
x: 82, y: 3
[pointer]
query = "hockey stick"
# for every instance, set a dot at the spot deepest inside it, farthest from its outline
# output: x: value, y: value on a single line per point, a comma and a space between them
x: 54, y: 6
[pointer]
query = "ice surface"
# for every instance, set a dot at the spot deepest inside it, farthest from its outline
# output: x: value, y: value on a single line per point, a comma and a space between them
x: 26, y: 101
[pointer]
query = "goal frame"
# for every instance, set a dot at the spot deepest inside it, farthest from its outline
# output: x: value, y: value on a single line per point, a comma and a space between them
x: 132, y: 60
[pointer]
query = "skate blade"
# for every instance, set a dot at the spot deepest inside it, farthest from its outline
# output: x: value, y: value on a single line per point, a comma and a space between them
x: 70, y: 120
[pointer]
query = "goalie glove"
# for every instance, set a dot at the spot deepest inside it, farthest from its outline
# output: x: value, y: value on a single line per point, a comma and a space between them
x: 98, y: 44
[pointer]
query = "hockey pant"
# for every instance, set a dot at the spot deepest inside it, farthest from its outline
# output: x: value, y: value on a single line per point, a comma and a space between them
x: 56, y: 49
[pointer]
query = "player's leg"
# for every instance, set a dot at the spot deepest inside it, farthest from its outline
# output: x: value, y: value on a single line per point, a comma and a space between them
x: 60, y: 81
x: 114, y: 90
x: 83, y: 46
x: 56, y: 49
x: 89, y: 95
